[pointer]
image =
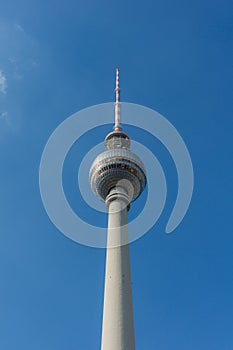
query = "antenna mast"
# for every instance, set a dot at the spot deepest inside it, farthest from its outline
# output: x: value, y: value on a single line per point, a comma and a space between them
x: 117, y: 126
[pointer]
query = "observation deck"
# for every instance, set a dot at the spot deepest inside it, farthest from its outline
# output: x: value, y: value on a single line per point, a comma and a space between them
x: 117, y: 163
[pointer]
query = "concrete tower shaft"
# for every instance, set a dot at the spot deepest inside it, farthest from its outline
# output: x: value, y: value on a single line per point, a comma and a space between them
x: 118, y: 324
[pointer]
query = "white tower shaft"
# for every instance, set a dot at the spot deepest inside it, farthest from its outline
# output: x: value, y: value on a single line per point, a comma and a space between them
x: 118, y: 177
x: 118, y: 325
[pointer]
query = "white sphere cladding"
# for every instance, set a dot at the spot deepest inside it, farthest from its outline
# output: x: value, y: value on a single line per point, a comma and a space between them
x: 83, y: 180
x: 114, y: 165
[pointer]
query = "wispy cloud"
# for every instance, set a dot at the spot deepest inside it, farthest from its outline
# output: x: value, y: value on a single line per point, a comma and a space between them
x: 19, y: 27
x: 3, y: 83
x: 6, y: 122
x: 4, y: 116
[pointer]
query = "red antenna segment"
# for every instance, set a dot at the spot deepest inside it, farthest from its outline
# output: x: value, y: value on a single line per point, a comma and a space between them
x: 117, y: 126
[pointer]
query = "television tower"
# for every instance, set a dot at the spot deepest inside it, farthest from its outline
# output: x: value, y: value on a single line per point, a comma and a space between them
x: 117, y: 176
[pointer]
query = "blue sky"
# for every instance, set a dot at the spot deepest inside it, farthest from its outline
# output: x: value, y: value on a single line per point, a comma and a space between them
x: 57, y: 58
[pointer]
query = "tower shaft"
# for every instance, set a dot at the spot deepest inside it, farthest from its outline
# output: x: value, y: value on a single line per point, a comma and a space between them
x: 118, y: 325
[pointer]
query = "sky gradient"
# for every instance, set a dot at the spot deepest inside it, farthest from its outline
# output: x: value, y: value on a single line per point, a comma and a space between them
x: 57, y: 58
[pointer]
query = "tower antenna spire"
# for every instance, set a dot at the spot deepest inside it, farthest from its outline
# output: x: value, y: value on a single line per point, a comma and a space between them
x: 117, y: 126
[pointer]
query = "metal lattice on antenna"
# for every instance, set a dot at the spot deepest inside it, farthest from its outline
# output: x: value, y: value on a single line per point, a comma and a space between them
x: 117, y: 126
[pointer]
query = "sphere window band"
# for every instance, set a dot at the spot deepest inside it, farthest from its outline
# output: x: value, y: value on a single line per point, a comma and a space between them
x: 106, y: 174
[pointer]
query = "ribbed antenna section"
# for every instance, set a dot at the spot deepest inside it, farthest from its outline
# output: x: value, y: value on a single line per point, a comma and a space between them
x: 117, y: 126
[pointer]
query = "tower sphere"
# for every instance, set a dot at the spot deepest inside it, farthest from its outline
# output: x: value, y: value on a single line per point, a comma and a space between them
x: 116, y: 164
